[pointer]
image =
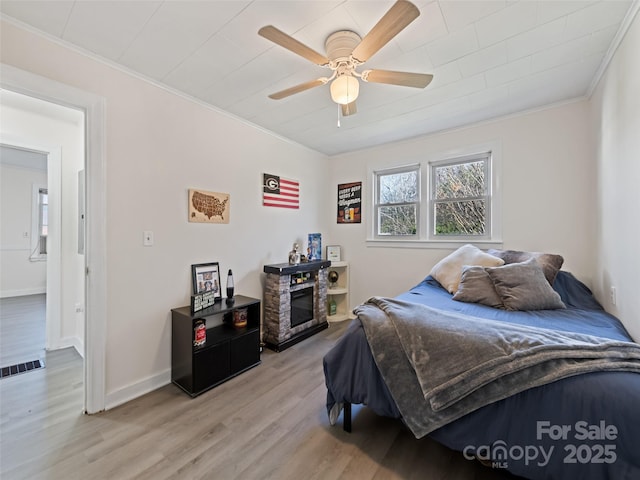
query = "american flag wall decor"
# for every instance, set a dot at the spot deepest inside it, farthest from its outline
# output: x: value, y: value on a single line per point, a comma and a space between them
x: 280, y: 192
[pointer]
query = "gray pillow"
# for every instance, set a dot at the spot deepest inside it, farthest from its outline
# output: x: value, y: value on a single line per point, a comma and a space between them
x: 550, y: 262
x: 477, y: 287
x: 523, y: 286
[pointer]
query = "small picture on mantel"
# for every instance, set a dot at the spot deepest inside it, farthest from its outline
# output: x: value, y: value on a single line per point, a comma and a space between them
x: 208, y: 207
x: 349, y: 202
x: 314, y: 249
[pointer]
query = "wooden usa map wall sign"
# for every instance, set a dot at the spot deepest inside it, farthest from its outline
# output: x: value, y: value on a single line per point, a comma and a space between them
x: 208, y: 207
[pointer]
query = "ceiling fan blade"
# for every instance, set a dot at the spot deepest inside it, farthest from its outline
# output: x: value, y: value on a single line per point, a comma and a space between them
x: 349, y: 109
x: 279, y: 37
x: 401, y: 14
x: 298, y: 88
x: 404, y: 79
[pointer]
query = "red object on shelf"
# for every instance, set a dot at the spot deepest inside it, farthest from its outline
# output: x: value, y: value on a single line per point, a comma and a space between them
x: 199, y: 333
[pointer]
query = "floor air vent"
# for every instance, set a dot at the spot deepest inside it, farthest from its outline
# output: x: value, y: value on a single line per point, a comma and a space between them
x: 19, y: 368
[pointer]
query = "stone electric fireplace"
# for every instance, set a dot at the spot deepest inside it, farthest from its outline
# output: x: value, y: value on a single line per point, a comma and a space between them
x: 295, y: 302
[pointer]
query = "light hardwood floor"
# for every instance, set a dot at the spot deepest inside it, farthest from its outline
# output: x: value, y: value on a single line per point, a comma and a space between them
x: 268, y: 423
x: 22, y: 329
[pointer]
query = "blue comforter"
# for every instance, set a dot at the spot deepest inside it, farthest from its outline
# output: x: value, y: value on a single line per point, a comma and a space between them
x: 587, y: 426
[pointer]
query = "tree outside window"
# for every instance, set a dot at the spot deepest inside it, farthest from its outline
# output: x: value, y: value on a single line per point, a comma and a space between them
x: 397, y: 201
x: 461, y: 203
x: 460, y: 198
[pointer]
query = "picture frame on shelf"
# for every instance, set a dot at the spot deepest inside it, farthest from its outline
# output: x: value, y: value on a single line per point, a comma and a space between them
x: 206, y: 279
x: 333, y: 253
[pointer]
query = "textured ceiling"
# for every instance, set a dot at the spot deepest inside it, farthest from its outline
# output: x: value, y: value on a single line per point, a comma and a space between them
x: 488, y: 58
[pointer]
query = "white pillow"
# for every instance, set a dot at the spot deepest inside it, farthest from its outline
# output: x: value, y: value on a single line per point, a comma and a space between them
x: 448, y: 271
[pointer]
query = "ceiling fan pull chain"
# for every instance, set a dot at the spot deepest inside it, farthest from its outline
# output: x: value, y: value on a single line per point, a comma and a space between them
x: 338, y: 105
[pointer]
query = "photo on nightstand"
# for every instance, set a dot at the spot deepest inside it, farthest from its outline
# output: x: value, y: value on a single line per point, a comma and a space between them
x: 206, y: 278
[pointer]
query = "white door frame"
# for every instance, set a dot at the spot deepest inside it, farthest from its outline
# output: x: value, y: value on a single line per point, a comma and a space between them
x: 26, y: 83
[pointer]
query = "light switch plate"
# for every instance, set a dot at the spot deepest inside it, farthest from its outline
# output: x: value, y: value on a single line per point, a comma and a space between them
x: 147, y: 238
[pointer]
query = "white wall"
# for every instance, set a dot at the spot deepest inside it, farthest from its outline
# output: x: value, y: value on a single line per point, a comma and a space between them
x: 158, y: 145
x: 18, y: 274
x: 616, y: 130
x: 548, y: 178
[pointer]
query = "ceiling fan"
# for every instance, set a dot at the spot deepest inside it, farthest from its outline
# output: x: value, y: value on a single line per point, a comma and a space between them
x: 346, y: 51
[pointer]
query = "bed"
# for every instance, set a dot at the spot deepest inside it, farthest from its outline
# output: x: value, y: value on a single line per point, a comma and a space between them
x: 581, y: 424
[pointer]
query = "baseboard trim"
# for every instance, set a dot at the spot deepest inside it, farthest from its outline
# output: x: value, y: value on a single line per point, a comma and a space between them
x: 128, y: 393
x: 70, y: 342
x: 23, y: 292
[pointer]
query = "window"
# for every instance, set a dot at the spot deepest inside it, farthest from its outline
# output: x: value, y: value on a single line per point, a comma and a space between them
x: 461, y: 201
x: 397, y: 202
x: 43, y: 223
x: 460, y: 198
x: 40, y: 229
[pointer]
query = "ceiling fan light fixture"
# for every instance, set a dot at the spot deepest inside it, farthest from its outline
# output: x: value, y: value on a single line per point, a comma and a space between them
x: 345, y: 89
x: 346, y: 51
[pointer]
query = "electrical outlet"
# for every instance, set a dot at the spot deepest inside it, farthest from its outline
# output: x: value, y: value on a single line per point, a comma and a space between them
x: 147, y: 238
x: 612, y: 294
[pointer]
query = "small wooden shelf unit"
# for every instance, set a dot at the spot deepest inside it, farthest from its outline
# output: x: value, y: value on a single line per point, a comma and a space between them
x: 227, y: 352
x: 340, y: 292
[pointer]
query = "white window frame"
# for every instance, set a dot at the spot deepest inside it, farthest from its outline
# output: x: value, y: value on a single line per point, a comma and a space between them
x: 377, y: 205
x: 424, y: 239
x: 36, y: 224
x: 484, y: 156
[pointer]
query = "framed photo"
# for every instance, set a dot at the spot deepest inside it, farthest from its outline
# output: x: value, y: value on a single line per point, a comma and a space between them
x: 333, y: 253
x: 314, y: 250
x: 206, y: 279
x: 350, y: 202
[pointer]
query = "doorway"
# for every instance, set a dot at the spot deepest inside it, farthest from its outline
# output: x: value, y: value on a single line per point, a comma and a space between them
x: 39, y: 254
x: 33, y: 136
x: 23, y: 268
x: 94, y: 264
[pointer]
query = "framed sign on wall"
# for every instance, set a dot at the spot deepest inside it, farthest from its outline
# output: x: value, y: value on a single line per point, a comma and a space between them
x: 349, y: 202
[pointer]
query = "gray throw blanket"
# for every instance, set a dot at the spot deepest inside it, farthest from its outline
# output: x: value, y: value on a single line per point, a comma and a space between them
x: 440, y: 366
